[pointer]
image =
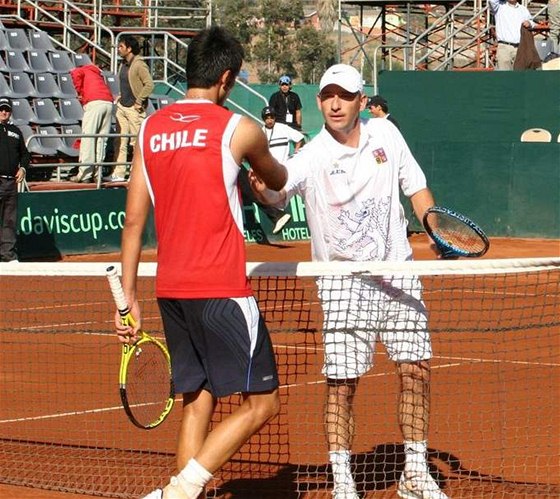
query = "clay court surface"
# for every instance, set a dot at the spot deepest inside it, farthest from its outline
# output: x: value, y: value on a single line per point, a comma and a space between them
x: 476, y: 472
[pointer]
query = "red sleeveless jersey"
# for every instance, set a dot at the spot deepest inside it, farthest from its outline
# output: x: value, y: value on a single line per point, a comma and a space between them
x: 192, y: 180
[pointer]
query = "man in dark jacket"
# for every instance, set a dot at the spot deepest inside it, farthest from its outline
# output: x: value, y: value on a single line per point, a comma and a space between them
x: 286, y: 104
x: 14, y: 159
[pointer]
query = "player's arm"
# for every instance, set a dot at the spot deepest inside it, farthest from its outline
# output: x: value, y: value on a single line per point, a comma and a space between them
x: 137, y: 209
x: 249, y: 143
x: 263, y: 194
x: 421, y: 201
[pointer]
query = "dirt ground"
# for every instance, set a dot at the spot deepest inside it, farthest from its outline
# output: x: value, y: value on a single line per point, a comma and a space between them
x: 300, y: 251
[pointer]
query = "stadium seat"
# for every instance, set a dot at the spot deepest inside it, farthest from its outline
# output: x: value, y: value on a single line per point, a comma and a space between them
x: 536, y: 135
x: 71, y: 110
x: 37, y: 145
x: 3, y: 66
x: 71, y: 135
x: 81, y: 60
x: 61, y: 62
x: 150, y: 109
x: 16, y: 62
x: 4, y: 43
x: 544, y: 47
x: 66, y: 85
x: 18, y: 39
x: 41, y: 40
x: 113, y: 81
x: 47, y: 86
x: 163, y: 100
x: 47, y: 113
x: 38, y: 61
x: 5, y: 89
x: 23, y: 87
x: 22, y: 112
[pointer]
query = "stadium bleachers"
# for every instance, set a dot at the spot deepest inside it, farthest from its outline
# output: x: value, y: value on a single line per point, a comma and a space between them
x: 35, y: 74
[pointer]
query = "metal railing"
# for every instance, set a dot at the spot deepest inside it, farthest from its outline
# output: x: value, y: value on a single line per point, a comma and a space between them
x: 58, y: 167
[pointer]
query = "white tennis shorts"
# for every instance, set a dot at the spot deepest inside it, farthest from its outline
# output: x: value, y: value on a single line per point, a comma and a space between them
x: 360, y: 310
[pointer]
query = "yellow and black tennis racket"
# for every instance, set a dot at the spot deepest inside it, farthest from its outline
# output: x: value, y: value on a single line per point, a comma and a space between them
x: 145, y: 382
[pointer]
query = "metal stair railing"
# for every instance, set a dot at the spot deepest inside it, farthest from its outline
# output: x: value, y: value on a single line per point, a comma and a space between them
x: 103, y: 36
x: 447, y: 44
x: 69, y: 34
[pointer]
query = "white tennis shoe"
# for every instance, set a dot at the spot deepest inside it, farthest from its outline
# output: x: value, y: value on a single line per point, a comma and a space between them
x: 345, y: 491
x: 281, y: 223
x: 156, y: 494
x: 419, y: 486
x: 172, y: 490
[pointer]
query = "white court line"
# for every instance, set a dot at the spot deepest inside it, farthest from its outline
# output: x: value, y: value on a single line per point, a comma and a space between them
x: 60, y: 415
x: 318, y: 348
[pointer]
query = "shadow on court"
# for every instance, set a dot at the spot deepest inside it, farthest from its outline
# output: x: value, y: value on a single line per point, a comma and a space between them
x: 376, y: 472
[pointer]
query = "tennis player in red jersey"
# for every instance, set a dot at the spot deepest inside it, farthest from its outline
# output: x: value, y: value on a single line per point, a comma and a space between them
x: 186, y: 163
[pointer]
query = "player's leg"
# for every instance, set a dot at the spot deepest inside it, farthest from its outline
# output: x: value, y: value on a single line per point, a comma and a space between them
x: 218, y: 347
x: 198, y: 408
x: 339, y: 431
x: 408, y: 343
x: 229, y: 435
x: 348, y: 350
x: 207, y: 453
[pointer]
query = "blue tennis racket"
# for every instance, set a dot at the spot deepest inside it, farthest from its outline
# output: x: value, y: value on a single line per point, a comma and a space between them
x: 454, y: 234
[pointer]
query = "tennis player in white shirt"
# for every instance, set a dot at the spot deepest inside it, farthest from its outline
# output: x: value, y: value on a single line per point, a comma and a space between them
x: 350, y: 176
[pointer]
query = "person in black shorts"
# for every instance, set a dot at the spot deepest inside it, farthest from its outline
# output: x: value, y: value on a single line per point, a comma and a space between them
x: 186, y: 163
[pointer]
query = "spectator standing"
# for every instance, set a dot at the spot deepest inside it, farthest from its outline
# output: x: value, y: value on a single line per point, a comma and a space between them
x: 509, y: 16
x: 14, y: 159
x: 349, y: 176
x: 136, y: 86
x: 97, y: 101
x: 554, y: 19
x: 379, y: 108
x: 186, y: 164
x: 286, y: 104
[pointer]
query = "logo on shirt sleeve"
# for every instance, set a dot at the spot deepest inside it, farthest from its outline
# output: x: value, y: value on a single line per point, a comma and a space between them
x: 380, y: 156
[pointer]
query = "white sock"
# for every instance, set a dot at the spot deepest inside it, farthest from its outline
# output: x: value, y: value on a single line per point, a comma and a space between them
x: 193, y: 477
x: 340, y: 464
x: 415, y: 456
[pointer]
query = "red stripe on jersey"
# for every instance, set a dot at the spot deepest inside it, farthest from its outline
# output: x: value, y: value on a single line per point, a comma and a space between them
x: 201, y: 251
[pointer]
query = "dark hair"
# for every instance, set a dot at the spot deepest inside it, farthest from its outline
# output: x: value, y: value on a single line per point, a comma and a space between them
x: 377, y: 100
x: 210, y: 54
x: 131, y: 42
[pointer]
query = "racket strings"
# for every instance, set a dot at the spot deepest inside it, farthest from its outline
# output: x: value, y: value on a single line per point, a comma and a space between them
x: 147, y: 383
x: 455, y: 233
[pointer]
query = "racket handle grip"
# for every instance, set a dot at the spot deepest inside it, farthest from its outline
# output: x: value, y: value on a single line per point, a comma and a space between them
x: 117, y: 290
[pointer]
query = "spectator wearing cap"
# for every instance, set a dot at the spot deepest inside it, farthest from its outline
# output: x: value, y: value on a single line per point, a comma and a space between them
x: 97, y: 101
x: 280, y: 136
x: 378, y: 108
x: 286, y: 104
x: 14, y: 159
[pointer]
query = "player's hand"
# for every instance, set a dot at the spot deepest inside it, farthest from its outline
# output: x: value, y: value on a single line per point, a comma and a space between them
x: 125, y: 332
x: 255, y: 182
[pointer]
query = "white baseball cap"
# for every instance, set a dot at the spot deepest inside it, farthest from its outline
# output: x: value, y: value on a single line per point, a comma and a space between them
x: 344, y: 76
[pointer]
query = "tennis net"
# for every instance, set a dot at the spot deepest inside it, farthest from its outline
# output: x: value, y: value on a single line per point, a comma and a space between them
x: 495, y: 330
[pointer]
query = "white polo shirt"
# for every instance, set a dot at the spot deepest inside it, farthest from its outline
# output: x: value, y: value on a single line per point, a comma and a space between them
x: 279, y: 138
x: 352, y: 195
